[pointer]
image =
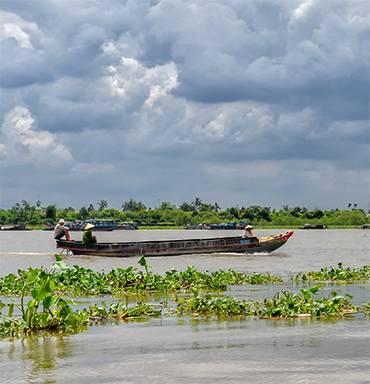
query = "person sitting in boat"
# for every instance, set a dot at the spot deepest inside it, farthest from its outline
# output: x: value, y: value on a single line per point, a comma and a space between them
x: 61, y: 230
x: 87, y: 237
x: 248, y: 234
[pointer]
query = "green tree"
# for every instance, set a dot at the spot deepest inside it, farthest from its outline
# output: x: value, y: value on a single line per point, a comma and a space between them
x: 248, y: 216
x: 166, y: 205
x: 216, y: 207
x: 83, y: 214
x: 197, y: 203
x: 234, y: 212
x: 50, y: 212
x: 318, y: 214
x: 187, y: 207
x: 133, y: 206
x: 103, y: 204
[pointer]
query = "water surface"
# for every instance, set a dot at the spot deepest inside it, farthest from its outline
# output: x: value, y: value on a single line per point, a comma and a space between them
x: 193, y: 350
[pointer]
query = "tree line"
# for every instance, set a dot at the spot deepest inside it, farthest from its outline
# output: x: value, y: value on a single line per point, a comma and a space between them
x: 194, y: 213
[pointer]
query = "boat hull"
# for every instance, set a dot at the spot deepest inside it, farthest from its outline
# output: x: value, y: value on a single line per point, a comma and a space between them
x: 175, y: 247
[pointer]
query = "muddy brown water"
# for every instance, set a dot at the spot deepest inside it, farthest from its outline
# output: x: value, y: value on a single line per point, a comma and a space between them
x: 193, y: 350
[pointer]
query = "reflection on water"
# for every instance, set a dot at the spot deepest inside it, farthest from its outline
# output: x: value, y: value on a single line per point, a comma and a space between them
x: 196, y: 351
x: 199, y: 350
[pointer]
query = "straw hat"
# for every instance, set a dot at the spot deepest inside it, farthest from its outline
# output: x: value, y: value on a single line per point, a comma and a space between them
x: 89, y: 226
x: 249, y: 226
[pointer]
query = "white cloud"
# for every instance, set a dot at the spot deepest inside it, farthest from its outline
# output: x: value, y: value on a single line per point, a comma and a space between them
x: 23, y: 143
x: 177, y: 96
x: 14, y: 26
x: 131, y: 79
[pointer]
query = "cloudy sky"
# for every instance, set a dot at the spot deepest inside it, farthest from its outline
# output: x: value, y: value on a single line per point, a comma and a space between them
x: 239, y: 102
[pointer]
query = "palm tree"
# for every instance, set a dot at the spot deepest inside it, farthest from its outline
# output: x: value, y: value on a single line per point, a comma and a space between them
x: 197, y: 203
x: 102, y: 205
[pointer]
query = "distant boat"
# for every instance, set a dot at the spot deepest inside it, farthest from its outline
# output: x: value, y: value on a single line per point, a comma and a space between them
x: 199, y: 226
x: 235, y: 244
x: 229, y: 225
x: 100, y: 225
x: 127, y: 225
x: 313, y: 226
x: 17, y: 227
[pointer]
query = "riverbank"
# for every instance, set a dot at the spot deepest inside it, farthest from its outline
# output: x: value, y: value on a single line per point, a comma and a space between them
x: 168, y: 227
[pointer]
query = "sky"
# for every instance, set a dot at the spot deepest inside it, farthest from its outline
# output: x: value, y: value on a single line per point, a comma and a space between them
x: 239, y: 102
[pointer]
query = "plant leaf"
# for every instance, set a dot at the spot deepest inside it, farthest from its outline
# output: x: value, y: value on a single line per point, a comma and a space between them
x: 50, y: 286
x: 61, y: 265
x: 31, y: 276
x: 142, y: 261
x: 48, y: 301
x: 315, y: 289
x: 11, y: 308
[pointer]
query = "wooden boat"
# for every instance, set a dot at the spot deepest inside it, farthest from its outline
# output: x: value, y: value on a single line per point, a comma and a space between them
x: 127, y: 225
x: 17, y: 227
x: 234, y: 244
x: 229, y: 225
x: 100, y: 225
x: 199, y: 226
x: 313, y: 226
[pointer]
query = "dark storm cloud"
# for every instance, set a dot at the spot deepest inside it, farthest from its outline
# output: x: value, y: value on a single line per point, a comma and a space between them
x: 183, y: 96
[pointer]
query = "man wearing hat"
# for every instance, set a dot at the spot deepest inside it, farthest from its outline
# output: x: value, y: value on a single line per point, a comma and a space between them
x: 87, y: 237
x: 61, y: 230
x: 248, y: 234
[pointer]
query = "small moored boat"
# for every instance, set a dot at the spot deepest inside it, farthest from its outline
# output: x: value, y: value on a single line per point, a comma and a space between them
x: 234, y: 244
x: 314, y: 226
x: 17, y: 227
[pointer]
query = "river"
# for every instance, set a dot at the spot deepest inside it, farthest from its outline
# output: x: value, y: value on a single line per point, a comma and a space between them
x: 194, y: 350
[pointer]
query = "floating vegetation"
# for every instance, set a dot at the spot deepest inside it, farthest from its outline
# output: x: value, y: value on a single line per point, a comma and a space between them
x: 82, y: 281
x: 288, y: 304
x: 44, y: 310
x: 85, y: 282
x: 284, y: 304
x: 121, y: 311
x: 335, y: 274
x: 42, y: 306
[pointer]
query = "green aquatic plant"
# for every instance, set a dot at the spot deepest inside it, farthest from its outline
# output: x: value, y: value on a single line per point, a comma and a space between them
x: 334, y: 274
x: 284, y: 304
x: 288, y: 304
x: 85, y: 282
x: 122, y: 311
x: 206, y: 305
x: 366, y: 308
x: 82, y: 281
x: 44, y: 310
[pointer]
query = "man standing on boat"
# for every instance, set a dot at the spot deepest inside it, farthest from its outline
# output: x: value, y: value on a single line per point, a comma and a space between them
x: 61, y: 230
x: 248, y: 234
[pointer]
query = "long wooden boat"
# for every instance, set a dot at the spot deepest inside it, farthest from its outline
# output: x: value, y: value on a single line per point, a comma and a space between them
x: 177, y: 247
x: 16, y: 227
x: 314, y: 226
